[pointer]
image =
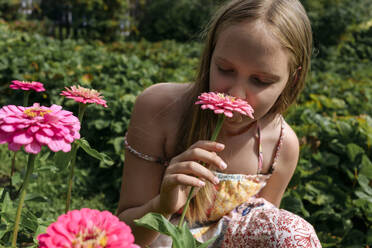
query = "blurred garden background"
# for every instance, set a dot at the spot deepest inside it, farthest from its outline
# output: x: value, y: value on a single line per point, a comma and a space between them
x: 120, y: 47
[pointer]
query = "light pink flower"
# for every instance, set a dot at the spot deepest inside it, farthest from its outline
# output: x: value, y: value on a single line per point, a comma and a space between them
x: 224, y: 104
x: 23, y: 85
x: 84, y: 95
x: 87, y: 228
x: 35, y: 126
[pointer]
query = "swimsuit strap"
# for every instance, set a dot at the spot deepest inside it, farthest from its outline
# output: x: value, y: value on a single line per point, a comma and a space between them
x: 278, y: 146
x: 150, y: 158
x: 277, y: 150
x: 260, y: 153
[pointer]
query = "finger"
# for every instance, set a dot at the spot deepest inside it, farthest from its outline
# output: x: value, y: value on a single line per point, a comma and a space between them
x: 203, y: 144
x: 195, y: 169
x: 182, y: 179
x: 209, y: 145
x: 210, y: 158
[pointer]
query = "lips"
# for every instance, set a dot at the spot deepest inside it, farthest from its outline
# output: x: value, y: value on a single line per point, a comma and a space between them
x: 237, y: 118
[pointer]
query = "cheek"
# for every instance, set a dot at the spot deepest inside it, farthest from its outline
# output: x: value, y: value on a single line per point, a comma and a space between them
x: 217, y: 82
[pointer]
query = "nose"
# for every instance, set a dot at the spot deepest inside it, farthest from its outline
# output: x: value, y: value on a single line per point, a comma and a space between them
x: 237, y: 89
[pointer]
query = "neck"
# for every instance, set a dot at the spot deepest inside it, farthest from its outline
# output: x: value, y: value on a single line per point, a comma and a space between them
x: 233, y: 129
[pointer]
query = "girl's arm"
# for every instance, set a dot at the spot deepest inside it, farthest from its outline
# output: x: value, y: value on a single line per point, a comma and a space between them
x: 150, y: 187
x: 141, y: 179
x: 284, y: 169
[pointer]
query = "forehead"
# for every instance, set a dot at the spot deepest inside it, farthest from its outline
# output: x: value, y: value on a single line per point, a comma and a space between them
x: 252, y: 44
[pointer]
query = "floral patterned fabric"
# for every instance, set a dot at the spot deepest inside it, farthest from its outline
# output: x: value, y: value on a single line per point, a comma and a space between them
x: 253, y: 224
x: 233, y: 190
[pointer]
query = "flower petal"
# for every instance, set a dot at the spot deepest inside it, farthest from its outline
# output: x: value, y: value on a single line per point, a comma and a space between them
x: 22, y: 138
x: 56, y: 145
x: 33, y: 148
x: 13, y: 146
x: 43, y: 139
x: 8, y: 128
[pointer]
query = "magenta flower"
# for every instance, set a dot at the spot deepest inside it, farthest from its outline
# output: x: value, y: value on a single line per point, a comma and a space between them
x: 23, y: 85
x: 87, y: 228
x: 35, y: 126
x: 224, y: 104
x: 84, y: 95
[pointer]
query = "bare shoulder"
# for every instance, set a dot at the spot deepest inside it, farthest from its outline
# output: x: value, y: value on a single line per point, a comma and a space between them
x: 147, y: 134
x: 290, y: 147
x: 155, y: 104
x: 284, y: 169
x: 159, y: 96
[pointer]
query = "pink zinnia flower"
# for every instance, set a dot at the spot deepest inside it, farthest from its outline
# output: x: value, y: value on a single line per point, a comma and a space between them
x: 224, y: 104
x: 36, y: 86
x: 84, y: 95
x: 87, y: 228
x: 35, y: 126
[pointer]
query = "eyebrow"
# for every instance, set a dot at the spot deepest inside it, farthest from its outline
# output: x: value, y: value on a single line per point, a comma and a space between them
x: 273, y: 76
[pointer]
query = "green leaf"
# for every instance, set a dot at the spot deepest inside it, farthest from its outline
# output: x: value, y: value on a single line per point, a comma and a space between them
x: 157, y: 222
x: 181, y: 237
x: 61, y: 159
x: 7, y: 205
x: 36, y: 198
x: 101, y: 124
x: 94, y: 153
x: 39, y: 230
x: 364, y: 183
x: 185, y: 238
x: 207, y: 243
x: 363, y: 196
x: 28, y: 221
x: 353, y: 150
x: 366, y: 167
x: 16, y: 178
x: 369, y: 236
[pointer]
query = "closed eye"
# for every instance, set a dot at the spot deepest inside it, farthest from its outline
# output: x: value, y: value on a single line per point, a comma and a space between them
x: 260, y: 82
x: 225, y: 71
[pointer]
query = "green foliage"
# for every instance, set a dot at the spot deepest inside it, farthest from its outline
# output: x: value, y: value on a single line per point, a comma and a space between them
x: 9, y: 9
x: 331, y: 19
x: 181, y: 236
x: 89, y: 19
x: 101, y: 18
x: 331, y: 187
x: 181, y: 20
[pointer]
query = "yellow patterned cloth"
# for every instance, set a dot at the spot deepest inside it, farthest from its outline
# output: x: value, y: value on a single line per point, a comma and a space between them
x: 233, y: 190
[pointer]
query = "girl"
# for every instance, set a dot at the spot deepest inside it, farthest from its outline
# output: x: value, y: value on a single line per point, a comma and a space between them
x: 257, y: 50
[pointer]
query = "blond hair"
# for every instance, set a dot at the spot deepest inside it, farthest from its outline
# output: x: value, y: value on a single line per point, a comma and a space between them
x: 288, y: 22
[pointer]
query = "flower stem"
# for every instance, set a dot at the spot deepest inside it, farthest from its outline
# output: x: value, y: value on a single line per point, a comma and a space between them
x: 71, y: 176
x: 74, y: 149
x: 13, y: 164
x: 25, y: 98
x: 30, y: 167
x: 82, y: 108
x: 216, y: 131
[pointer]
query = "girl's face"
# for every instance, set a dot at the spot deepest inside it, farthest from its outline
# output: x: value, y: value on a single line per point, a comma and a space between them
x: 249, y: 63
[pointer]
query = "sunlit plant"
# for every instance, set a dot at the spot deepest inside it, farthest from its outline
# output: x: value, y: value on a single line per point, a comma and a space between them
x: 26, y: 87
x: 34, y: 127
x: 87, y: 228
x: 82, y: 96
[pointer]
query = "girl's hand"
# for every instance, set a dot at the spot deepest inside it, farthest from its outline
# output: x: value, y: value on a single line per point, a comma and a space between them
x: 186, y: 170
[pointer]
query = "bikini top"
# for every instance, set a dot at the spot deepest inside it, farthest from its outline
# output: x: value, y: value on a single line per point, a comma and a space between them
x: 233, y: 189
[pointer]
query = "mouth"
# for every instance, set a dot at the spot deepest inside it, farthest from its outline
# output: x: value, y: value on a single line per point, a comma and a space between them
x: 237, y: 118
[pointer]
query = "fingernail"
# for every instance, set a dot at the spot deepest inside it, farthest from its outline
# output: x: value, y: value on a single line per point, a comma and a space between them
x: 223, y: 165
x: 220, y: 146
x: 216, y: 180
x: 201, y: 183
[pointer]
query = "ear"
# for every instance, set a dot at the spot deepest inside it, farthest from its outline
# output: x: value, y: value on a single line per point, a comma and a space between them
x: 297, y: 73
